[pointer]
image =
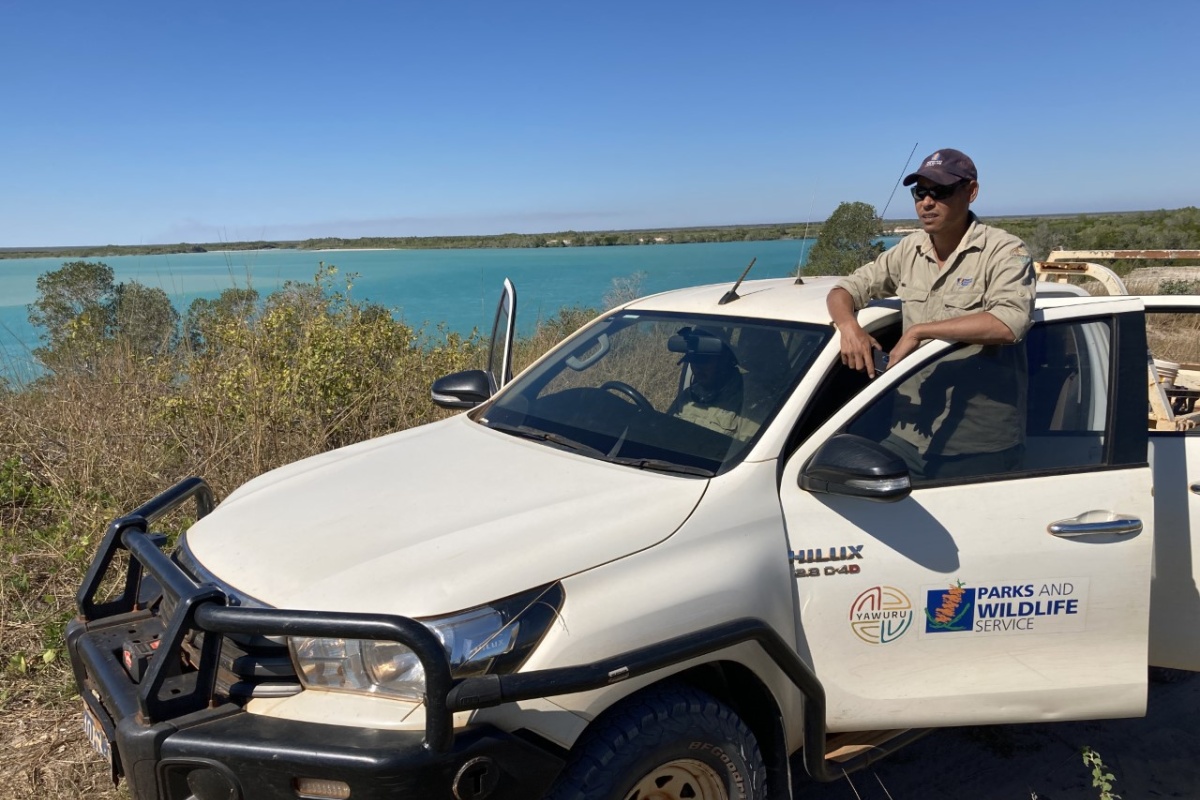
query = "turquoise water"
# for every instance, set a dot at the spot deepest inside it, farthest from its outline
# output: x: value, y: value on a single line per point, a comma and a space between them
x: 457, y: 288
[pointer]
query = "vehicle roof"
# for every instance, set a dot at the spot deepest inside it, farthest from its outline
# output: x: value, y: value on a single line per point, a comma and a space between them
x: 785, y: 299
x: 772, y: 298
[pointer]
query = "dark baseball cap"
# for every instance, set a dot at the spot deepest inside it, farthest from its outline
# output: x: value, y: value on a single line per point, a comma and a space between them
x: 944, y: 168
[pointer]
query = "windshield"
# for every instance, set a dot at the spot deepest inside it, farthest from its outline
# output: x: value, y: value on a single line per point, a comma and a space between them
x: 669, y: 392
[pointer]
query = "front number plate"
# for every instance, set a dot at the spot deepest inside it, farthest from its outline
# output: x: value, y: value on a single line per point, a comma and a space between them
x: 94, y: 732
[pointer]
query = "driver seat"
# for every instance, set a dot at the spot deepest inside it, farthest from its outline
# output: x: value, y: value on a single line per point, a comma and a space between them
x: 764, y: 361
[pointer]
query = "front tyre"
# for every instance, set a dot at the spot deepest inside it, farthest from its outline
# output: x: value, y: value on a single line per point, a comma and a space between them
x: 676, y: 743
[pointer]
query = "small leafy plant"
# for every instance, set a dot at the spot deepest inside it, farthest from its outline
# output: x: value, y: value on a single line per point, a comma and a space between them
x: 1102, y: 779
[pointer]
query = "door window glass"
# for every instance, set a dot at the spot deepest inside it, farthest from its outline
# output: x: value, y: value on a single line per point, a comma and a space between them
x: 1174, y: 340
x: 995, y: 410
x: 499, y: 362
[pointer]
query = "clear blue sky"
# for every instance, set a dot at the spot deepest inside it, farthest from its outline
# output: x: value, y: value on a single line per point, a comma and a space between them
x: 148, y: 122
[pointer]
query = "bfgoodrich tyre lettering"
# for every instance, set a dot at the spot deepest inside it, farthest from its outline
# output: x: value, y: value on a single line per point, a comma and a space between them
x: 726, y: 760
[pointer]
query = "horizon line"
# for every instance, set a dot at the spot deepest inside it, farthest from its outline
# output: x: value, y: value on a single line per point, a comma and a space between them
x: 658, y: 229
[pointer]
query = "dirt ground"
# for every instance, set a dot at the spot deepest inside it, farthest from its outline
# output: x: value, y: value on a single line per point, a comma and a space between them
x: 1151, y: 757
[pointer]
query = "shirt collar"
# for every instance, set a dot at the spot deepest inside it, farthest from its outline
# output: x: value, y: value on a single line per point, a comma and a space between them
x: 972, y: 239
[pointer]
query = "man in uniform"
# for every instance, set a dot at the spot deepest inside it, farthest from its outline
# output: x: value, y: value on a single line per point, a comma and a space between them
x: 713, y: 399
x: 960, y: 281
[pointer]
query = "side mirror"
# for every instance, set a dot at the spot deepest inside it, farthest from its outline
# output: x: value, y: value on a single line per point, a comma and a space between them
x: 852, y: 466
x: 465, y: 389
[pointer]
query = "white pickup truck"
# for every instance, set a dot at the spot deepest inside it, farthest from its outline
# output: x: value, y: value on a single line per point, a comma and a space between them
x: 614, y: 578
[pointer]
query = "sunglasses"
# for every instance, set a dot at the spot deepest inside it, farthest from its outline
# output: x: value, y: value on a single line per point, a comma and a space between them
x: 936, y: 192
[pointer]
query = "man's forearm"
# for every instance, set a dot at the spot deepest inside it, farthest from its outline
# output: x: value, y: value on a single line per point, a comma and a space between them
x: 841, y: 307
x: 978, y: 328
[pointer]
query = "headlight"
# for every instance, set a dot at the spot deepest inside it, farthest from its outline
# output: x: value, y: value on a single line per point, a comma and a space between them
x: 492, y: 638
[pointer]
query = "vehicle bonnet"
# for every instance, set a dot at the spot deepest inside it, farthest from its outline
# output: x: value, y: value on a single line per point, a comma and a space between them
x: 433, y: 520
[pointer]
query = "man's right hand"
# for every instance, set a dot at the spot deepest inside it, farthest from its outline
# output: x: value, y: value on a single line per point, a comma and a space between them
x: 857, y: 344
x: 857, y: 347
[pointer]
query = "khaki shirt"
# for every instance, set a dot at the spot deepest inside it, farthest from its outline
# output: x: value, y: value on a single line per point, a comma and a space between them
x: 972, y: 400
x: 721, y: 412
x: 991, y: 271
x: 969, y: 401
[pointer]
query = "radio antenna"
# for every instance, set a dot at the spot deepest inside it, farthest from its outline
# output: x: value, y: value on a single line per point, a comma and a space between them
x: 897, y: 186
x: 804, y: 239
x: 732, y: 294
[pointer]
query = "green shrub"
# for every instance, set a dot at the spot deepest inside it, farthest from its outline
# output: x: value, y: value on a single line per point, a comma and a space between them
x: 1172, y: 286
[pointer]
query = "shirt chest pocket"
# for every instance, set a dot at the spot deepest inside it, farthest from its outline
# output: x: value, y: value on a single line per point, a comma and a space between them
x: 962, y: 301
x: 912, y: 294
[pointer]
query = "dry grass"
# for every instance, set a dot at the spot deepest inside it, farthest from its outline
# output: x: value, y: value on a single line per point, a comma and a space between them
x: 45, y: 755
x: 54, y: 441
x: 1174, y: 337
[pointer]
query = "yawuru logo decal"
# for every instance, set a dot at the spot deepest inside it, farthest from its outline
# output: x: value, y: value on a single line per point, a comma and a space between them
x: 881, y: 614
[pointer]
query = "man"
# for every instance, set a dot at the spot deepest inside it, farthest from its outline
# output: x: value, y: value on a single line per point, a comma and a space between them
x: 960, y: 281
x: 713, y: 399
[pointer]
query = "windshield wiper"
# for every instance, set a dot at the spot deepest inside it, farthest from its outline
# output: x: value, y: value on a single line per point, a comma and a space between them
x: 525, y: 432
x: 658, y: 465
x: 654, y: 464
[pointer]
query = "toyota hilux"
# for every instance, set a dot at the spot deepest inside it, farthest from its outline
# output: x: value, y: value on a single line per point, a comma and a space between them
x: 616, y: 576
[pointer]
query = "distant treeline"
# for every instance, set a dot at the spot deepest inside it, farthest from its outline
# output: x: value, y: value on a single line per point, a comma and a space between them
x: 1143, y: 230
x: 1175, y: 229
x: 101, y: 250
x: 731, y: 233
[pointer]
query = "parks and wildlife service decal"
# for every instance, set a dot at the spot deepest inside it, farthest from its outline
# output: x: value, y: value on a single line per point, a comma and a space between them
x: 1018, y: 607
x: 883, y: 614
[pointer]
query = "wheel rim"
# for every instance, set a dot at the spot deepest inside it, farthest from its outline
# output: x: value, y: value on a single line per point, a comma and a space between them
x: 683, y: 779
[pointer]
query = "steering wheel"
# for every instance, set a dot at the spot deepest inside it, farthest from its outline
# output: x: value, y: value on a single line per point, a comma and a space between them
x: 621, y: 387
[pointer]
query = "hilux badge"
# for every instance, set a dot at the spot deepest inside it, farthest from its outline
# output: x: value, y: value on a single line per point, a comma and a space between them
x: 817, y: 556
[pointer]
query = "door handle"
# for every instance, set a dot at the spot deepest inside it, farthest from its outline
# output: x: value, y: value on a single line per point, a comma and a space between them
x: 1196, y: 488
x: 1095, y: 523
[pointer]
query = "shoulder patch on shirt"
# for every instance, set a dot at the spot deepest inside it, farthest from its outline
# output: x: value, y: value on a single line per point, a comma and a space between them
x: 1020, y: 250
x: 1030, y: 273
